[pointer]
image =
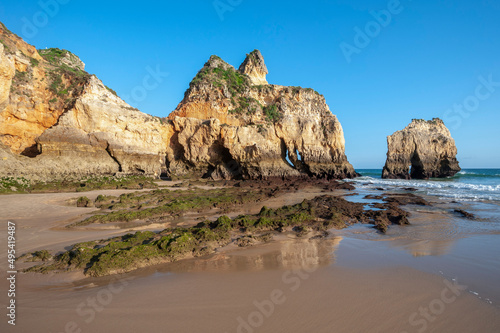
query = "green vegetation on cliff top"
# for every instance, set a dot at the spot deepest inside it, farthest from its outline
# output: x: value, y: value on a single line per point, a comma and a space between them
x: 235, y: 81
x: 219, y: 74
x: 53, y: 55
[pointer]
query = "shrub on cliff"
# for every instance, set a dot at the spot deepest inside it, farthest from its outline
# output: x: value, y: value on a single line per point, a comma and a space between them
x: 53, y: 55
x: 272, y: 114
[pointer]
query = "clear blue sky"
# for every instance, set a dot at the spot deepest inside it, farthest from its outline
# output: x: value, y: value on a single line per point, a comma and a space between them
x: 426, y: 59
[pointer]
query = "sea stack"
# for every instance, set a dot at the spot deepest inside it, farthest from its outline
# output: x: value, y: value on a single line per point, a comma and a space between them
x: 424, y: 149
x: 233, y: 124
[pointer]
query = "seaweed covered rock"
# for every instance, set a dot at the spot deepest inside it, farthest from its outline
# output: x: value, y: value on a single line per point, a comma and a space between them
x: 424, y: 149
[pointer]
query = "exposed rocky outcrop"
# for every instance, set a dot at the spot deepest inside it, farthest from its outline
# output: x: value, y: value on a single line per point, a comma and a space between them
x: 101, y: 127
x: 255, y: 68
x: 58, y: 121
x: 228, y: 127
x: 100, y: 135
x: 27, y: 105
x: 7, y: 72
x: 424, y: 146
x: 66, y: 122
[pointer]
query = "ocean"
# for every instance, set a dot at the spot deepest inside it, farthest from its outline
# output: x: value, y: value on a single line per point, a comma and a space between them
x: 467, y: 185
x: 439, y: 240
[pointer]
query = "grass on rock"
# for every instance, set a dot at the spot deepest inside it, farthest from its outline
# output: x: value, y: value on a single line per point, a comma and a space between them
x: 10, y: 185
x: 128, y: 252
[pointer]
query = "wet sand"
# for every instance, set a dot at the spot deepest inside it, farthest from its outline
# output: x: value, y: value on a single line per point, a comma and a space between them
x: 357, y: 280
x: 264, y: 293
x: 41, y: 219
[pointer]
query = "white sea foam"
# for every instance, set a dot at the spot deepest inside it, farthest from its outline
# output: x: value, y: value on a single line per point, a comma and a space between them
x: 448, y: 188
x: 429, y: 184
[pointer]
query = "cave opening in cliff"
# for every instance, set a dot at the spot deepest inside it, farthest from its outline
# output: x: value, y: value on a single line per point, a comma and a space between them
x: 416, y: 167
x: 298, y: 155
x: 285, y: 154
x: 288, y: 159
x: 32, y: 151
x: 226, y: 167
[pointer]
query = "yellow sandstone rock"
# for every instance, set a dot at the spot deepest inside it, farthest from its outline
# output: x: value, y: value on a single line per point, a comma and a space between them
x: 57, y: 121
x: 425, y: 146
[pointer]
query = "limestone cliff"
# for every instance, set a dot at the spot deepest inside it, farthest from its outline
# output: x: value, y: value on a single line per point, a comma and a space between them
x: 255, y: 68
x: 424, y: 146
x: 226, y: 126
x: 101, y: 127
x: 27, y: 105
x: 65, y: 122
x: 58, y: 121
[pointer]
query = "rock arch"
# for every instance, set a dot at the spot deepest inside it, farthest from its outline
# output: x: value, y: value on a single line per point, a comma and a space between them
x: 424, y: 149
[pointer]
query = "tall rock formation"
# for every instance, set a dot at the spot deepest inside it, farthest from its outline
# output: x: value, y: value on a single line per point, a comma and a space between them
x: 57, y: 121
x: 255, y: 68
x: 241, y: 129
x: 424, y: 149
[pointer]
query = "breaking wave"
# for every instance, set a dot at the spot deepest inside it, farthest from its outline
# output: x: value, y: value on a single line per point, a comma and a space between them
x: 467, y: 185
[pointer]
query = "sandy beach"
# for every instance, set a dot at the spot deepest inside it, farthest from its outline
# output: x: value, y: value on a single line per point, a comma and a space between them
x: 420, y: 278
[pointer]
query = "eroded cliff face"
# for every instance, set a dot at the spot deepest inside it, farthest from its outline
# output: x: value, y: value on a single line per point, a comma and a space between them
x: 101, y: 127
x: 239, y: 129
x: 57, y: 121
x: 424, y: 149
x: 27, y: 105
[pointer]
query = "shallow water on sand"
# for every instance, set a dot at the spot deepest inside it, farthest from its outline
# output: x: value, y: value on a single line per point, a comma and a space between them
x: 438, y: 241
x: 339, y: 284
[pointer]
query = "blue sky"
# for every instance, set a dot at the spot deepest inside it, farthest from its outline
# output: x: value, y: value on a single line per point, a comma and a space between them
x: 422, y: 59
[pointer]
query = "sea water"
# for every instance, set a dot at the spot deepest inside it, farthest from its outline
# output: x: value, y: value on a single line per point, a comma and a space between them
x: 467, y: 185
x: 438, y: 240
